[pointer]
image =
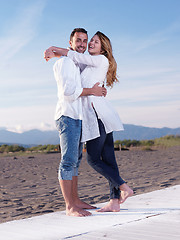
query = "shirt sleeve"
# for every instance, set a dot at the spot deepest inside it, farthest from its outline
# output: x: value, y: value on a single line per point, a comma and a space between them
x: 89, y: 60
x: 66, y: 77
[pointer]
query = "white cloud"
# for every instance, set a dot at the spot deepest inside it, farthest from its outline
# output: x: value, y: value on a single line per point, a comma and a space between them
x: 19, y: 128
x: 155, y: 92
x: 149, y: 42
x: 145, y: 72
x: 22, y: 31
x: 151, y: 116
x: 21, y: 119
x: 158, y: 37
x: 131, y: 46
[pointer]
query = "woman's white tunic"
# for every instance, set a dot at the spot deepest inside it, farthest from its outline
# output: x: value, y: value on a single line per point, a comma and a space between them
x: 95, y: 71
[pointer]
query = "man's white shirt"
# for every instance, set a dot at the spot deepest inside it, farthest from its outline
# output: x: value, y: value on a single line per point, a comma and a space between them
x: 68, y: 79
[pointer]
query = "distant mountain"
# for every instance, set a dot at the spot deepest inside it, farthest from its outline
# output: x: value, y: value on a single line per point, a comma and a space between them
x: 32, y: 137
x: 37, y: 137
x: 144, y: 133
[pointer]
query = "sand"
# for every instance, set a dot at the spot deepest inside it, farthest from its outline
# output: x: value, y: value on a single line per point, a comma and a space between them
x: 29, y: 185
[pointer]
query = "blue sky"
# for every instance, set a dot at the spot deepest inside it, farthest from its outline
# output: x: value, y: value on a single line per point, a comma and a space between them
x: 145, y: 36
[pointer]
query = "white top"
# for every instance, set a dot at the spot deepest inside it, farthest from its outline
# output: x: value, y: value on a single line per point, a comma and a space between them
x: 68, y: 79
x: 95, y: 71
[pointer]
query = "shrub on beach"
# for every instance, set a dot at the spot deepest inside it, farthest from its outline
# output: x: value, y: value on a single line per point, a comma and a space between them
x: 44, y: 148
x: 11, y: 148
x: 167, y: 141
x: 16, y: 148
x: 127, y: 143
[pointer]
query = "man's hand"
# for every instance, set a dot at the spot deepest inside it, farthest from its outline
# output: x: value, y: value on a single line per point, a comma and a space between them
x: 95, y: 90
x: 99, y: 91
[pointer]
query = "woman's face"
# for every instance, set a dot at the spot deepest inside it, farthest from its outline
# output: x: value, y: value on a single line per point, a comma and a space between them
x: 94, y: 46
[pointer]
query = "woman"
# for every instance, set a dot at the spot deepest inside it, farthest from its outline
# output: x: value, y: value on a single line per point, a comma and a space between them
x: 99, y: 119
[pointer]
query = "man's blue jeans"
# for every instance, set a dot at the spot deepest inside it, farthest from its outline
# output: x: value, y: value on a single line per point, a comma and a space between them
x: 101, y: 157
x: 71, y: 147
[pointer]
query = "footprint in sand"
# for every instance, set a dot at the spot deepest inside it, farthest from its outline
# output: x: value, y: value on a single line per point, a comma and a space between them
x: 24, y: 209
x: 47, y: 211
x: 172, y: 179
x: 40, y: 206
x: 165, y: 185
x: 53, y: 192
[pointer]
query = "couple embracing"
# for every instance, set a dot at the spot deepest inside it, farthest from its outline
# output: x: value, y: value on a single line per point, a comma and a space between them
x: 83, y: 114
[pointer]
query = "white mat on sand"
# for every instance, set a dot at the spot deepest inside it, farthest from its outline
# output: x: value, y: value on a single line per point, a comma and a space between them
x: 154, y: 215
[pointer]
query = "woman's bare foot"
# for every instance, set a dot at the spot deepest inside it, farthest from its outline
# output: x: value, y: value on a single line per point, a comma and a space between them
x: 126, y: 192
x: 83, y: 205
x: 112, y: 206
x: 77, y: 212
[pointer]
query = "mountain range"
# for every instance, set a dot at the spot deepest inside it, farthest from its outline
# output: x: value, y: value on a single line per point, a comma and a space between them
x: 37, y: 137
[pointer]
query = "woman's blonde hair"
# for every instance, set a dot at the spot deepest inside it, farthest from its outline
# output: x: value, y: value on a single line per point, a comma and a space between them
x: 106, y: 50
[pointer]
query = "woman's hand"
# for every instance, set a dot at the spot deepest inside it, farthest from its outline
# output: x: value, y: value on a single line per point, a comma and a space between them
x: 55, y: 52
x: 49, y: 53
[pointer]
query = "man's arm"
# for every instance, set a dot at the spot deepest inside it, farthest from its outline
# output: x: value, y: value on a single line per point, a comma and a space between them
x: 95, y: 90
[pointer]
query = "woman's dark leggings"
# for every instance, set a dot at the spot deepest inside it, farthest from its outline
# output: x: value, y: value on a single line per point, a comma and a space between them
x: 101, y: 157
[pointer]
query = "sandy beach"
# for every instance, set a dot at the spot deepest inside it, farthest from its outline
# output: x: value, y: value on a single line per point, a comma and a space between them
x: 29, y: 185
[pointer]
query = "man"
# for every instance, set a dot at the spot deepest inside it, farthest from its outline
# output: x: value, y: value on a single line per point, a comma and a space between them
x: 69, y: 120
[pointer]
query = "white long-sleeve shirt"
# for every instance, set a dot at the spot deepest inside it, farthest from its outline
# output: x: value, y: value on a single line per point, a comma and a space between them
x: 95, y: 71
x: 68, y: 79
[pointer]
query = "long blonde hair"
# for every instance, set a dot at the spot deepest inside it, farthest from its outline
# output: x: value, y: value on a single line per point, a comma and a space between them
x: 106, y: 50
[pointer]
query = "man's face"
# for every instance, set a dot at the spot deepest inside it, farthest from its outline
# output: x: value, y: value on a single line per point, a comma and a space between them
x: 79, y: 42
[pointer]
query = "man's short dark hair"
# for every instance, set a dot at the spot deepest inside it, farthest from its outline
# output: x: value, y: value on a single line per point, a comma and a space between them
x: 77, y: 30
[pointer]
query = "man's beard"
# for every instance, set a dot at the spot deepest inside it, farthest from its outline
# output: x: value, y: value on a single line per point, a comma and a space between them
x: 80, y: 49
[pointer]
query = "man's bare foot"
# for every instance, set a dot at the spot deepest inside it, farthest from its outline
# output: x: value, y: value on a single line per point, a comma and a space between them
x: 83, y: 205
x: 126, y: 192
x: 77, y: 212
x: 112, y: 206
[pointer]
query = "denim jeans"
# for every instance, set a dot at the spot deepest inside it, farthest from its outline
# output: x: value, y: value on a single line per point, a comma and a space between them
x: 71, y: 147
x: 101, y: 157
